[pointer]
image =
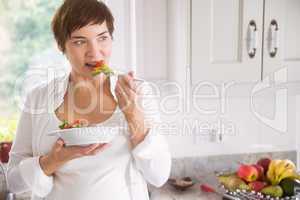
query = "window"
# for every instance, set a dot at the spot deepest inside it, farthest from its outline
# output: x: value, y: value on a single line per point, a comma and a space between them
x: 28, y: 51
x: 27, y: 45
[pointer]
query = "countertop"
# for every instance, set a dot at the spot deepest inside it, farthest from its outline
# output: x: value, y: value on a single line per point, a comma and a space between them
x: 167, y: 192
x: 198, y: 168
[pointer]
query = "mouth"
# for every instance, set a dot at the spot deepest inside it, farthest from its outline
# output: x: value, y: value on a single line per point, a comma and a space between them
x: 90, y: 65
x: 99, y: 67
x: 93, y: 65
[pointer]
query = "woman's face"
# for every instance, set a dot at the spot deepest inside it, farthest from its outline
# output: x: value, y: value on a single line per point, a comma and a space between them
x: 86, y: 46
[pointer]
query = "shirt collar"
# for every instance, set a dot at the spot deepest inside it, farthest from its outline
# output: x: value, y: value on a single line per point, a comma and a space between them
x: 61, y: 85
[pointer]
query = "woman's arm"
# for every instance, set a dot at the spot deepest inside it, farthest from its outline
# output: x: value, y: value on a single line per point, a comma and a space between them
x: 35, y: 173
x: 152, y: 154
x: 141, y: 110
x: 24, y: 172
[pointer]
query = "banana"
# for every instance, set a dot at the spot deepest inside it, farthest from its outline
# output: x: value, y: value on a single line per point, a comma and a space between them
x: 271, y: 173
x: 290, y: 173
x: 279, y: 169
x: 296, y: 176
x: 287, y: 164
x: 283, y: 169
x: 290, y: 165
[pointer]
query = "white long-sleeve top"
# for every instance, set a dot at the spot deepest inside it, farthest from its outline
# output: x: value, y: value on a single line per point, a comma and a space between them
x: 116, y: 173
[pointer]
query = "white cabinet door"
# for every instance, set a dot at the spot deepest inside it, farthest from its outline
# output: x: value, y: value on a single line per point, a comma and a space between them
x: 219, y: 33
x: 122, y: 48
x: 151, y: 39
x: 282, y: 38
x: 140, y: 38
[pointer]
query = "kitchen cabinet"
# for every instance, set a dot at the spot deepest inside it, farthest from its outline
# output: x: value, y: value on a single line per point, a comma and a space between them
x: 219, y: 31
x: 122, y: 43
x: 151, y: 39
x: 243, y: 40
x: 208, y: 39
x: 160, y: 39
x: 282, y: 20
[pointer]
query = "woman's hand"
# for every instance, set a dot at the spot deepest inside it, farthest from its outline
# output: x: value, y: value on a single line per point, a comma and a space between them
x: 127, y: 94
x: 60, y: 154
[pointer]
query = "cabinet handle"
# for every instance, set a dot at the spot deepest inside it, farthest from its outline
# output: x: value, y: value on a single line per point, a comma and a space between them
x: 252, y: 39
x: 273, y: 38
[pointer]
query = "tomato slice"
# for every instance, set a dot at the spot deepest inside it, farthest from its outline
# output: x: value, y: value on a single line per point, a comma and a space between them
x: 99, y: 64
x: 77, y: 121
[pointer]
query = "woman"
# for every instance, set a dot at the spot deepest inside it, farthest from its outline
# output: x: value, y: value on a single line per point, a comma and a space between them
x: 43, y: 165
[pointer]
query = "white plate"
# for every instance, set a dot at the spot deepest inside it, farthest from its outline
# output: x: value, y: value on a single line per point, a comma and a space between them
x: 87, y: 135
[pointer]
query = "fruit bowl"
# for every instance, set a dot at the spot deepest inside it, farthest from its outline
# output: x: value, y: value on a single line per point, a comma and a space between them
x: 278, y: 179
x: 86, y: 135
x: 252, y: 195
x: 181, y: 184
x: 245, y: 193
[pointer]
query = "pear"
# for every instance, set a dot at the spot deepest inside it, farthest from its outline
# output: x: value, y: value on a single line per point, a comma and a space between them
x: 273, y: 190
x: 233, y: 182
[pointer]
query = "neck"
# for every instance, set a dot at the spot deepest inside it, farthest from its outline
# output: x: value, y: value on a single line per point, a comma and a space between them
x: 87, y: 83
x: 86, y: 88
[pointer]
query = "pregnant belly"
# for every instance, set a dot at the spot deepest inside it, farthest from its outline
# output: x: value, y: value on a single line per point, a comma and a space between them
x: 112, y: 184
x: 103, y: 176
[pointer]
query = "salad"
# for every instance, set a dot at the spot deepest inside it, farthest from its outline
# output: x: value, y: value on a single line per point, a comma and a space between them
x: 101, y: 67
x: 76, y: 124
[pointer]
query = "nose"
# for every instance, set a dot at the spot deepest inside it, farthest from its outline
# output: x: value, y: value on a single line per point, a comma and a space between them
x: 94, y: 51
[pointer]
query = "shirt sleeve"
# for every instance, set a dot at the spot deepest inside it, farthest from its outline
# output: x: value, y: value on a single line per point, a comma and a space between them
x: 152, y: 156
x: 24, y: 173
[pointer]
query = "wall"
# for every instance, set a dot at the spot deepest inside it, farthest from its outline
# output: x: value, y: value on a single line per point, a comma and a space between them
x: 297, y: 128
x: 242, y: 130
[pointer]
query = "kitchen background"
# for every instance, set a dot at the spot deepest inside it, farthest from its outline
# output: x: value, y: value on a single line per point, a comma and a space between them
x: 226, y: 72
x: 238, y: 60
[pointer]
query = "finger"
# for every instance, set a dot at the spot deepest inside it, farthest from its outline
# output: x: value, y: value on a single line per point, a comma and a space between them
x: 118, y: 94
x: 122, y: 91
x: 131, y: 73
x: 129, y: 80
x: 124, y: 87
x: 90, y: 148
x: 101, y: 148
x: 105, y: 146
x: 59, y: 144
x: 126, y: 97
x: 81, y: 150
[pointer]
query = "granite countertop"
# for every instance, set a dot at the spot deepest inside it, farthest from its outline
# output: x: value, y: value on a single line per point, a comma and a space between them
x: 167, y: 192
x: 199, y: 168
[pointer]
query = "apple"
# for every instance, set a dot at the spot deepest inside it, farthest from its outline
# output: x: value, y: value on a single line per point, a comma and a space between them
x: 4, y: 151
x: 248, y: 173
x: 264, y: 162
x: 260, y: 171
x: 257, y: 186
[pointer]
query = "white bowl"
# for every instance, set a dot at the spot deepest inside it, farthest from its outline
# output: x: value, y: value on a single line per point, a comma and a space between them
x: 87, y: 135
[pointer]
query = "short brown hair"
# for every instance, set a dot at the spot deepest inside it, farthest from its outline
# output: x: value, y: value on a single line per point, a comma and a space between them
x: 75, y: 14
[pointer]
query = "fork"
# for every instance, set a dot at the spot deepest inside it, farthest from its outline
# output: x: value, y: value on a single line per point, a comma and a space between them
x: 118, y: 72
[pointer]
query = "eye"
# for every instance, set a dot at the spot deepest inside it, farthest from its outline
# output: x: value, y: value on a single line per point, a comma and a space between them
x: 103, y: 38
x: 79, y: 42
